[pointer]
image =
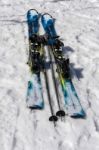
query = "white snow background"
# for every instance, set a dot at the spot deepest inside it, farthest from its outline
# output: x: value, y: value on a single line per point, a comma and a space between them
x: 78, y: 25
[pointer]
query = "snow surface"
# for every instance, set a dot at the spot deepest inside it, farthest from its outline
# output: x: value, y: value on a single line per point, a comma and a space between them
x: 78, y: 25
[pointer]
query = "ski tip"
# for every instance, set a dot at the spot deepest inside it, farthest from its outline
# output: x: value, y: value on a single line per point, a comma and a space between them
x: 46, y: 14
x: 32, y: 15
x: 53, y: 118
x: 81, y: 115
x: 60, y: 113
x: 47, y: 18
x: 32, y: 11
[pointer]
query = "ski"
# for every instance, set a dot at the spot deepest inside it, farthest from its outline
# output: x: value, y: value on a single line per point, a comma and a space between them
x: 72, y: 101
x: 35, y: 61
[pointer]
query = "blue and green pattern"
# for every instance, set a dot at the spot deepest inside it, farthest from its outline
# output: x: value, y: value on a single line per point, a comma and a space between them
x: 72, y: 102
x: 34, y: 91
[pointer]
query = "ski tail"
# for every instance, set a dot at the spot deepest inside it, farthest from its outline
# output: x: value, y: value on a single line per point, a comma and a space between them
x: 72, y: 101
x: 71, y: 98
x: 34, y: 95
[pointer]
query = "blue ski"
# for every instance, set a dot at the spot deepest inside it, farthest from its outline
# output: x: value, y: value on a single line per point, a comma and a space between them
x: 71, y: 98
x: 34, y: 92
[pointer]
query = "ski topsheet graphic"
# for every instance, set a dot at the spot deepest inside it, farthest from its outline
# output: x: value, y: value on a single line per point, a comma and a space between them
x: 34, y: 95
x: 71, y: 98
x: 34, y: 91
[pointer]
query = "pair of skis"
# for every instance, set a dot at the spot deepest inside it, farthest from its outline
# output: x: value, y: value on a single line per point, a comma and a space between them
x: 36, y: 62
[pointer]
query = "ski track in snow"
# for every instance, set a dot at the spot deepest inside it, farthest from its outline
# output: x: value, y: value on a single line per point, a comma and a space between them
x: 78, y: 25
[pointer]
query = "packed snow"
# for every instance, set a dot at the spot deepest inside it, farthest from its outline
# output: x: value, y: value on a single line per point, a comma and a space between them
x: 77, y: 23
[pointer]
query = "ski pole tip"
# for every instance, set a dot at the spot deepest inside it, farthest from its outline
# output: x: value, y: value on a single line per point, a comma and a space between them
x: 53, y: 118
x: 60, y: 113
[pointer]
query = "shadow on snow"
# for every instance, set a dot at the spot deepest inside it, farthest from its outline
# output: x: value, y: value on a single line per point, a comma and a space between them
x: 75, y: 71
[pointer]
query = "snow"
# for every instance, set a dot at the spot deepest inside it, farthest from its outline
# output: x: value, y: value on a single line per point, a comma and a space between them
x: 78, y: 25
